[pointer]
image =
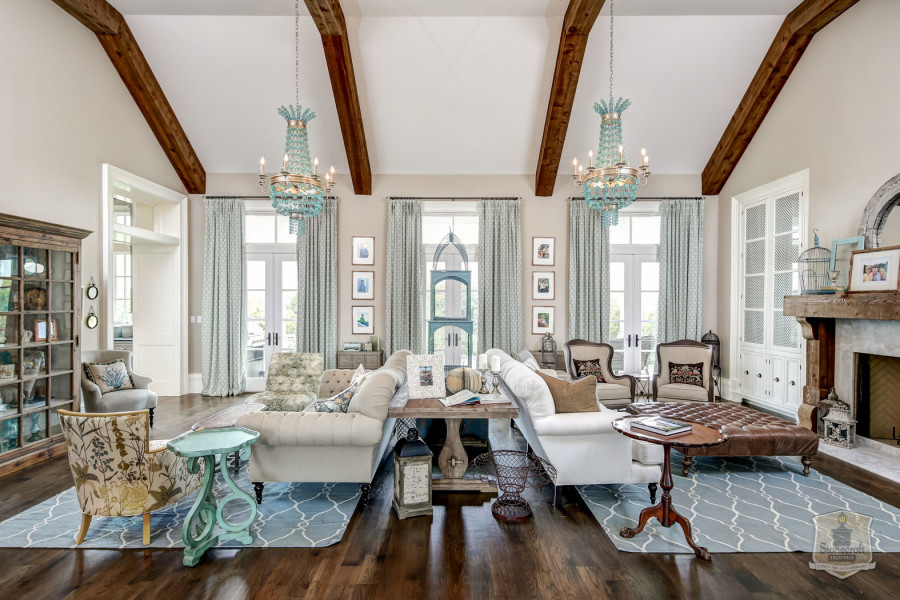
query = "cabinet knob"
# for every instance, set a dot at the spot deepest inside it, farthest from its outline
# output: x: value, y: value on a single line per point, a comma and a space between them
x: 777, y: 380
x: 746, y: 372
x: 793, y: 382
x: 759, y: 375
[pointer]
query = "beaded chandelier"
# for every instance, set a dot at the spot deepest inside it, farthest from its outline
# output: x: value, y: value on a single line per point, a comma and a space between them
x: 297, y: 191
x: 612, y: 184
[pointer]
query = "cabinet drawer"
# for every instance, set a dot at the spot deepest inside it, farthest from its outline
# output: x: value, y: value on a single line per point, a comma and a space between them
x: 371, y: 361
x: 345, y: 361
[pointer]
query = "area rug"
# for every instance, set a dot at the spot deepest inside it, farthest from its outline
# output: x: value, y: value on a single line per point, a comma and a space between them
x: 292, y: 515
x: 740, y: 504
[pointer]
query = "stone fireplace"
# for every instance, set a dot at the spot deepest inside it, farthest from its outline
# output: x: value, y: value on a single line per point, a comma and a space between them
x: 877, y: 404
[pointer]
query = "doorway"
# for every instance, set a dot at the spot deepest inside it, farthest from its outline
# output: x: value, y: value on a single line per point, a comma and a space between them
x: 271, y: 311
x: 634, y: 311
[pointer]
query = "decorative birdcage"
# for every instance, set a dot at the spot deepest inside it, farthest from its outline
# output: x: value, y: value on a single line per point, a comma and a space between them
x: 711, y: 339
x: 812, y: 268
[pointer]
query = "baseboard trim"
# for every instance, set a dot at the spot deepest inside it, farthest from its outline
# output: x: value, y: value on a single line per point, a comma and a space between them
x: 195, y: 383
x: 727, y: 390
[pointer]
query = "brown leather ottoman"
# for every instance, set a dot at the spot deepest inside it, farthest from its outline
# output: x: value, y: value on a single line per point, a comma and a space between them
x: 749, y: 432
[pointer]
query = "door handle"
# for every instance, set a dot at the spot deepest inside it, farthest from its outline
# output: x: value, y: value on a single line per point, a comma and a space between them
x: 269, y: 339
x: 276, y: 339
x: 448, y: 339
x: 456, y: 339
x: 629, y: 340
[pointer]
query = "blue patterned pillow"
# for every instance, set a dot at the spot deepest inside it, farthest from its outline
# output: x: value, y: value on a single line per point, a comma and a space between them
x: 337, y: 403
x: 110, y: 376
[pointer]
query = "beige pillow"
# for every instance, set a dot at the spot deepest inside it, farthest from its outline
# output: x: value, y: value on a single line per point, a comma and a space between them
x: 572, y: 396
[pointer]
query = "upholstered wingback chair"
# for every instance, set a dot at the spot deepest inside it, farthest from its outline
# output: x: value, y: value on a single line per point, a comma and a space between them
x: 582, y: 356
x: 141, y: 397
x: 292, y: 381
x: 683, y: 372
x: 118, y: 471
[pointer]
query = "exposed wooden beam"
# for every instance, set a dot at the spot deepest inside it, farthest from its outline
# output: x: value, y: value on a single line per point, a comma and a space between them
x: 329, y: 19
x: 126, y: 56
x: 792, y: 39
x: 580, y: 17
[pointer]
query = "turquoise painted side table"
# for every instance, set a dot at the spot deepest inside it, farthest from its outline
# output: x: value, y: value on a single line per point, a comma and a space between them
x: 200, y: 524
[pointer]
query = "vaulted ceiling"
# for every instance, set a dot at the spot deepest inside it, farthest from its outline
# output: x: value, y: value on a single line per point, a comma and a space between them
x: 453, y: 87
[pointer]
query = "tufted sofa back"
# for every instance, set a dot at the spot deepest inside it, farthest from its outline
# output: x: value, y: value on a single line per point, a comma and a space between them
x: 294, y: 372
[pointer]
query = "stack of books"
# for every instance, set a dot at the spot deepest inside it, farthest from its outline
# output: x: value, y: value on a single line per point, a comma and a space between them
x: 661, y: 425
x: 465, y: 398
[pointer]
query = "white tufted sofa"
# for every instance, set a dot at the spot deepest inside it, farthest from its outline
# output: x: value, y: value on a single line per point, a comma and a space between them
x: 328, y: 447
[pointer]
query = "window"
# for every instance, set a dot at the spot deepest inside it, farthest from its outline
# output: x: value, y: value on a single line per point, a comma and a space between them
x: 122, y: 314
x: 267, y: 228
x: 636, y: 229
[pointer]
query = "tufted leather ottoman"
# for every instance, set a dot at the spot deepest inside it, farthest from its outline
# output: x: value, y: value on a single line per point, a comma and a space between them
x: 750, y: 432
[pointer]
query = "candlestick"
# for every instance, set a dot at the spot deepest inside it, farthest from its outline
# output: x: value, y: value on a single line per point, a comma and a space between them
x: 591, y: 158
x: 483, y: 389
x: 496, y: 374
x: 580, y: 173
x: 262, y: 165
x: 316, y: 165
x: 285, y: 165
x: 575, y: 167
x: 621, y: 151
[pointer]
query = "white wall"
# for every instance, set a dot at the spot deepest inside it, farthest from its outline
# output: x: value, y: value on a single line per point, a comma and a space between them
x: 836, y: 116
x: 64, y: 111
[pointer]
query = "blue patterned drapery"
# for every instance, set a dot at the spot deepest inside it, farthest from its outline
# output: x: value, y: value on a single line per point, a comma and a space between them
x: 224, y: 334
x: 317, y: 285
x: 681, y: 269
x: 499, y: 276
x: 588, y: 273
x: 405, y: 280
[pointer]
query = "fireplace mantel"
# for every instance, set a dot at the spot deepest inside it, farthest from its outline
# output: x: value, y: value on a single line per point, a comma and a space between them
x: 816, y: 315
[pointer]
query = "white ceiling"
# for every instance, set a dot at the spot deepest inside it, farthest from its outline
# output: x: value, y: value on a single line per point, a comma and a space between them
x: 453, y: 87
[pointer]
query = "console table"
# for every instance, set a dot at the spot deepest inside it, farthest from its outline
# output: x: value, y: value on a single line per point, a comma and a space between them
x: 348, y: 359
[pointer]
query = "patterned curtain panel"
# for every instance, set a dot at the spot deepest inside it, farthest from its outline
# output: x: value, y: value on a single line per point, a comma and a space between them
x: 405, y: 281
x: 681, y: 269
x: 224, y: 336
x: 317, y: 285
x: 588, y: 273
x: 499, y: 276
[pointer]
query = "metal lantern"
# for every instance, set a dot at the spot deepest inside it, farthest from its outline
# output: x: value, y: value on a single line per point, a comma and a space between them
x: 412, y: 476
x: 813, y: 266
x: 822, y: 408
x: 840, y: 428
x: 548, y: 351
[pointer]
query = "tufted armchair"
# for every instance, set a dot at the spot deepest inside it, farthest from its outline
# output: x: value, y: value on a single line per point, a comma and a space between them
x: 139, y: 398
x: 683, y: 352
x: 616, y: 391
x: 118, y: 471
x: 292, y: 381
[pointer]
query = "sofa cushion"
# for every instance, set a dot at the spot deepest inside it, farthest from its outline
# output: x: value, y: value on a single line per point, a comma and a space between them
x: 585, y: 368
x: 681, y: 391
x: 109, y: 376
x: 461, y: 379
x: 687, y: 373
x: 647, y: 453
x: 525, y: 385
x: 577, y: 396
x: 612, y: 391
x: 283, y: 402
x: 377, y: 389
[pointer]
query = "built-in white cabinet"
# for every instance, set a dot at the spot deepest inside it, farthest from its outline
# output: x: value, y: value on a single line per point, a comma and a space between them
x: 768, y: 359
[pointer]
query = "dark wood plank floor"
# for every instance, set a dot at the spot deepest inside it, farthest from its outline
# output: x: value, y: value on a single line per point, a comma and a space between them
x: 461, y: 552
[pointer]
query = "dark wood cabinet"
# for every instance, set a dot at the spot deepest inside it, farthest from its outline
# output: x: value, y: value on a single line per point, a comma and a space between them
x: 351, y: 360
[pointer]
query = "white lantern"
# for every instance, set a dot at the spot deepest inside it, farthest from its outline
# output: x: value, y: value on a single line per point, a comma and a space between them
x: 412, y: 476
x: 840, y: 428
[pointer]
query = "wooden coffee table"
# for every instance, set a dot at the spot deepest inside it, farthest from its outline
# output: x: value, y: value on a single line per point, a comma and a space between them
x: 452, y: 460
x: 665, y: 513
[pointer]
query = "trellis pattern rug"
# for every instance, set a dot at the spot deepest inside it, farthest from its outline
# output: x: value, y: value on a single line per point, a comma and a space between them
x: 292, y: 515
x: 740, y: 504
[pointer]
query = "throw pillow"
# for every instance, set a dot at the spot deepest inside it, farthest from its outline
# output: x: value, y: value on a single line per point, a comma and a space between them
x: 527, y: 358
x: 110, y: 376
x: 461, y: 379
x: 583, y: 368
x: 572, y: 396
x: 358, y: 375
x: 691, y: 373
x: 337, y: 403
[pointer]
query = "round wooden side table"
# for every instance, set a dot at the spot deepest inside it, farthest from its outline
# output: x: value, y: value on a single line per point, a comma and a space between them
x: 664, y: 512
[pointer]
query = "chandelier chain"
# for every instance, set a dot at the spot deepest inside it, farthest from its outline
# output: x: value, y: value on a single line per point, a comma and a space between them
x: 296, y: 52
x: 611, y: 3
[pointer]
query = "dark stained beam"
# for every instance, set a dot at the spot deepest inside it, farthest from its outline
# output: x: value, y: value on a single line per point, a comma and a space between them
x: 329, y: 19
x: 790, y: 42
x: 126, y: 56
x: 580, y: 17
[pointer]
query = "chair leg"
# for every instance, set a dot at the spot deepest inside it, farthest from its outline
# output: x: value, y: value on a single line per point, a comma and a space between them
x: 364, y: 489
x: 258, y: 488
x: 151, y: 416
x: 85, y: 524
x: 146, y: 528
x: 558, y: 496
x: 652, y: 487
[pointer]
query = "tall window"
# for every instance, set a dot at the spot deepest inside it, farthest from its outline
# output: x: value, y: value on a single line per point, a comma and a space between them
x: 122, y: 314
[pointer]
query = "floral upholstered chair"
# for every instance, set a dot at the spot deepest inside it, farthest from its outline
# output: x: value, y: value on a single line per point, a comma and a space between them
x: 292, y: 382
x: 118, y: 471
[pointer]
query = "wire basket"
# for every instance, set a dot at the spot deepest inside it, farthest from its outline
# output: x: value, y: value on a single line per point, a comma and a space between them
x: 513, y: 471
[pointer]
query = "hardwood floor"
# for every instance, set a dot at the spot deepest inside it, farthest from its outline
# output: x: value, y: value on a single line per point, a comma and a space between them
x: 461, y: 552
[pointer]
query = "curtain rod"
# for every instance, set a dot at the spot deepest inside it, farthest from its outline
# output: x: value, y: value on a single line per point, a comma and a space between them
x: 253, y: 197
x: 453, y: 198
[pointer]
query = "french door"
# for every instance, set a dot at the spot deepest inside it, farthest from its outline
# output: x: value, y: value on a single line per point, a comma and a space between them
x: 271, y: 309
x: 633, y: 311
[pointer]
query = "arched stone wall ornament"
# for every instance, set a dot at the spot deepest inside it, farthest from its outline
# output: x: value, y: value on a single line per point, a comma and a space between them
x: 877, y: 211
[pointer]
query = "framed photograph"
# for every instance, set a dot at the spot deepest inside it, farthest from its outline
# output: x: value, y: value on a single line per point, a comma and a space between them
x: 543, y: 319
x: 363, y: 319
x: 875, y: 270
x: 45, y: 330
x: 543, y: 285
x: 363, y: 251
x: 363, y: 285
x: 840, y: 256
x: 543, y: 251
x: 425, y: 376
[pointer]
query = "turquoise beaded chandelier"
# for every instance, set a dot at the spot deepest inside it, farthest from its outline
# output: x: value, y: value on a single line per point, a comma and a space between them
x: 297, y: 191
x: 612, y: 184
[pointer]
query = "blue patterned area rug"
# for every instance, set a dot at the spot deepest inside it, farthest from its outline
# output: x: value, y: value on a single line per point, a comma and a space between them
x: 741, y: 504
x: 292, y: 515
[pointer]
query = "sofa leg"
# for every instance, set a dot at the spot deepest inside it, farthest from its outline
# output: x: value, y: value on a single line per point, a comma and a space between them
x: 807, y: 463
x: 686, y: 463
x: 151, y: 416
x: 652, y: 487
x: 258, y: 488
x: 558, y: 496
x: 364, y: 490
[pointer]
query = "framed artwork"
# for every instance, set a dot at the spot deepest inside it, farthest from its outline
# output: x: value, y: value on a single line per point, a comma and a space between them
x: 543, y: 251
x: 543, y: 319
x: 840, y: 256
x: 543, y: 285
x: 425, y: 376
x: 363, y: 319
x: 363, y: 251
x: 363, y: 285
x: 41, y: 333
x: 875, y: 270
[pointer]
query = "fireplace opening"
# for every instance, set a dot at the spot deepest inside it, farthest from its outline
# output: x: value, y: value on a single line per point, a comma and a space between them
x: 878, y: 397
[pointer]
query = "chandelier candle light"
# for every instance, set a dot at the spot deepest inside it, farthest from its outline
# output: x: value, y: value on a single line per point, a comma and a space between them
x: 297, y: 191
x: 612, y: 184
